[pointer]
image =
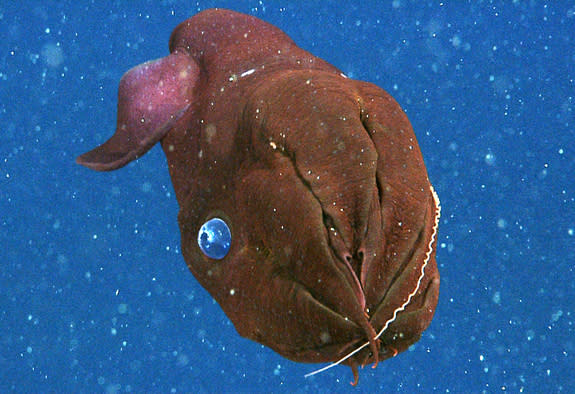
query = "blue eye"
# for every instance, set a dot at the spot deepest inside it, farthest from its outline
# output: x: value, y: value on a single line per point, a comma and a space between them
x: 214, y: 238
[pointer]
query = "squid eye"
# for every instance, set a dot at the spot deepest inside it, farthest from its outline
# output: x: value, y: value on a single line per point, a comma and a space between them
x: 214, y: 238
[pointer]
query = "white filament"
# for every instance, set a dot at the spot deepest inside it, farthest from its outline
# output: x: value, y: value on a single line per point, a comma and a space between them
x: 411, y: 295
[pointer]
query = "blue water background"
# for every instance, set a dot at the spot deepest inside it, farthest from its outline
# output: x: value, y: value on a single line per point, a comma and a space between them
x: 95, y: 295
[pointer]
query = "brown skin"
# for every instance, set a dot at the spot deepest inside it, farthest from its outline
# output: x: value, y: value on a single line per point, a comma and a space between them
x: 319, y: 178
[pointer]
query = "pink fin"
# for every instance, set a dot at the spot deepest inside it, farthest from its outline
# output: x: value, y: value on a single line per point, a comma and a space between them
x: 151, y: 99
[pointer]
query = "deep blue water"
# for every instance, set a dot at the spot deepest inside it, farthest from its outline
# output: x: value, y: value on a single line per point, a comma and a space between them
x: 94, y: 292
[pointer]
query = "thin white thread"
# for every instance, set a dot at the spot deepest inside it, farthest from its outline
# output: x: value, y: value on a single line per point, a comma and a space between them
x: 411, y: 295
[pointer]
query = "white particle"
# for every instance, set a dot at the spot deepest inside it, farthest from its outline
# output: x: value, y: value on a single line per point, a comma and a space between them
x: 277, y: 370
x: 556, y: 315
x: 246, y: 73
x: 490, y: 159
x: 496, y: 298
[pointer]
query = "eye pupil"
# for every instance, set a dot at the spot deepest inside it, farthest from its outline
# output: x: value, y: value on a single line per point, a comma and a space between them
x: 214, y: 238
